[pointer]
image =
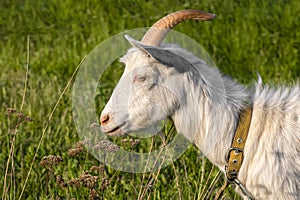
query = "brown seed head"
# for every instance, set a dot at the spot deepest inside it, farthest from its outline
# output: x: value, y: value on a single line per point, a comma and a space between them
x: 74, y: 183
x: 88, y: 180
x: 61, y: 182
x: 74, y: 152
x: 10, y: 111
x: 50, y: 161
x: 20, y: 115
x: 94, y: 195
x: 106, y: 145
x: 97, y: 168
x: 104, y: 184
x: 94, y: 125
x: 28, y: 119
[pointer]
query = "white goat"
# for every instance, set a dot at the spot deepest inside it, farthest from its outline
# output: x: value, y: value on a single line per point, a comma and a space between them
x: 205, y: 109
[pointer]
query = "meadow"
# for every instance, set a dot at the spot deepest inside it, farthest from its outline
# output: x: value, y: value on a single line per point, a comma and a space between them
x: 43, y: 42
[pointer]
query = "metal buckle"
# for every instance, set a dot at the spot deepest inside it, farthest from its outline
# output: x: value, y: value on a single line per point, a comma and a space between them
x: 233, y: 149
x: 233, y: 174
x: 236, y: 149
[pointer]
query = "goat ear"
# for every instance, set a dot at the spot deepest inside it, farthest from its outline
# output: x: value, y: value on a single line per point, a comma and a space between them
x: 164, y: 56
x: 136, y: 44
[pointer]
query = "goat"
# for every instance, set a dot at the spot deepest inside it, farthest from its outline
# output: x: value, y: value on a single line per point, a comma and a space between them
x: 161, y: 81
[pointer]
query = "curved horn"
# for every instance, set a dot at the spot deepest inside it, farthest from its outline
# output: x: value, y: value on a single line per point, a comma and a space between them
x: 155, y: 35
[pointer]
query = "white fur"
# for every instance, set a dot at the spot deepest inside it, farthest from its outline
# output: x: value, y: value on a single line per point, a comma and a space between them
x: 204, y: 106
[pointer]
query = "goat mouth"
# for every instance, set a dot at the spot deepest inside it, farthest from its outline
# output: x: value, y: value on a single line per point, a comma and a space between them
x: 115, y: 131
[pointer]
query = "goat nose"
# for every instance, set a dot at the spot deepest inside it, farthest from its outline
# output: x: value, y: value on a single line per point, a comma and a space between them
x: 104, y: 119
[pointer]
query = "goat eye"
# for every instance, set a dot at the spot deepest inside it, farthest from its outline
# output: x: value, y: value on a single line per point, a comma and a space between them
x: 139, y: 79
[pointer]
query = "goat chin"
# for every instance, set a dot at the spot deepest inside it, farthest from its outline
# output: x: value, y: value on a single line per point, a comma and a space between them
x: 115, y: 132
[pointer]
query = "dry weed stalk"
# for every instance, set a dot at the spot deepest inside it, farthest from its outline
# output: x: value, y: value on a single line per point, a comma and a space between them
x: 86, y: 179
x: 19, y: 117
x: 47, y: 125
x: 49, y: 162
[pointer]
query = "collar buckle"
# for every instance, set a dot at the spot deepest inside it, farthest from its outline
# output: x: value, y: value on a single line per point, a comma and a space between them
x: 236, y: 151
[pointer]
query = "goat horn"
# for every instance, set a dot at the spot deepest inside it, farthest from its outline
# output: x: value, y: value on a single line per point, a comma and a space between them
x: 155, y: 35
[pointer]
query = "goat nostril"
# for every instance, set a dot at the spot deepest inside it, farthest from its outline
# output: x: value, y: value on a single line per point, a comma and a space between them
x: 104, y: 119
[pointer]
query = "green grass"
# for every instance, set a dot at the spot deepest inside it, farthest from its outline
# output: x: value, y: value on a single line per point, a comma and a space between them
x: 245, y: 38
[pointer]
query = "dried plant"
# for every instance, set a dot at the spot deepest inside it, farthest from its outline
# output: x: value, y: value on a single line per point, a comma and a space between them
x: 10, y: 111
x: 132, y: 142
x: 74, y: 152
x: 94, y: 126
x: 104, y: 184
x: 74, y: 183
x: 79, y: 148
x: 94, y: 195
x: 107, y: 146
x: 50, y: 161
x: 15, y: 119
x: 46, y: 126
x: 98, y: 169
x: 87, y: 180
x: 20, y: 116
x: 61, y: 182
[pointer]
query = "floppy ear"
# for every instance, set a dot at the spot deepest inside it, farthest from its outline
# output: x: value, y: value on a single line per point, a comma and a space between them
x: 164, y: 56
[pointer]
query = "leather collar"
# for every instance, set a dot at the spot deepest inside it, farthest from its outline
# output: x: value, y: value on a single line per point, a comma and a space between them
x: 236, y: 151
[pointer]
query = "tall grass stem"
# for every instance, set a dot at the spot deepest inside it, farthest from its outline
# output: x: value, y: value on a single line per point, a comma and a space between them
x: 47, y: 125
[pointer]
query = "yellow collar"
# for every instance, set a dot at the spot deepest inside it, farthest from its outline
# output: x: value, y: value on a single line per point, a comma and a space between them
x: 236, y: 151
